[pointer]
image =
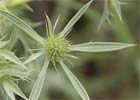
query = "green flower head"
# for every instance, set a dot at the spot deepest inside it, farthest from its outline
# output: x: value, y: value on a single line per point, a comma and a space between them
x: 56, y: 48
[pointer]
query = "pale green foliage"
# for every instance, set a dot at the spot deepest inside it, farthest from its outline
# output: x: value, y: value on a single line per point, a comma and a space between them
x: 77, y: 85
x: 55, y: 49
x: 13, y: 72
x: 10, y: 87
x: 33, y: 57
x: 9, y: 72
x: 56, y: 22
x: 49, y: 26
x: 35, y: 93
x: 21, y: 25
x: 11, y: 57
x: 100, y: 46
x: 111, y: 9
x: 116, y: 5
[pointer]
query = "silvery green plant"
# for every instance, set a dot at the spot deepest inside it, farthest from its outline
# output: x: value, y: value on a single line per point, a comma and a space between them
x: 11, y: 71
x: 56, y: 48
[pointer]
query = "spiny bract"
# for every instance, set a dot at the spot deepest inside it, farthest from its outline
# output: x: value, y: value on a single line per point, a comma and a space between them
x: 56, y: 47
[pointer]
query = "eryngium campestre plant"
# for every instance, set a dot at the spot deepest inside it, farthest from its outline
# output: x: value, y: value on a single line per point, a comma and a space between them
x: 11, y: 70
x: 56, y: 49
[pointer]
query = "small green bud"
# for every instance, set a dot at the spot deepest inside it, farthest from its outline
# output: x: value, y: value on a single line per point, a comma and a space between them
x: 56, y: 48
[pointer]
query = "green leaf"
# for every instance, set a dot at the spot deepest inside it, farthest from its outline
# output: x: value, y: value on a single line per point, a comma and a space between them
x: 13, y: 72
x: 75, y: 18
x: 36, y: 91
x: 10, y: 87
x: 75, y: 82
x: 22, y: 25
x: 33, y: 57
x: 56, y: 22
x: 11, y: 57
x: 8, y: 92
x: 100, y: 46
x: 104, y: 16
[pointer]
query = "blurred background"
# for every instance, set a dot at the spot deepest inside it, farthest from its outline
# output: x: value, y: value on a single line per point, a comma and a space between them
x: 110, y: 75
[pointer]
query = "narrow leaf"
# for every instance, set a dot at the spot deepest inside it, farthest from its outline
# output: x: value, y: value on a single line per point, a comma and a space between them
x: 13, y: 72
x: 68, y: 32
x: 11, y: 88
x: 49, y: 26
x: 116, y: 5
x: 22, y: 25
x: 104, y: 16
x: 75, y: 82
x: 11, y: 57
x: 33, y: 57
x: 36, y: 91
x: 100, y: 46
x: 8, y: 91
x: 75, y: 18
x: 56, y: 22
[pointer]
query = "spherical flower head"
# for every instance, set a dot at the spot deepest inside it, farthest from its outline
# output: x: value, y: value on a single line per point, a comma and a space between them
x: 56, y: 47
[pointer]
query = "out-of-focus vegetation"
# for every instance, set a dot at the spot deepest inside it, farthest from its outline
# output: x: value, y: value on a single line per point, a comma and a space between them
x: 110, y: 75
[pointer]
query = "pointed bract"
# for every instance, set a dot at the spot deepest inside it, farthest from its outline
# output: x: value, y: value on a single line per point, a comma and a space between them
x: 100, y: 46
x: 49, y: 26
x: 11, y: 88
x: 75, y: 18
x: 22, y: 25
x: 36, y: 91
x: 55, y: 25
x: 116, y: 4
x: 75, y: 82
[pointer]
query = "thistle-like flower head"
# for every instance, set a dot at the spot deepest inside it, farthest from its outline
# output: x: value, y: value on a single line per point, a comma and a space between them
x: 56, y: 47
